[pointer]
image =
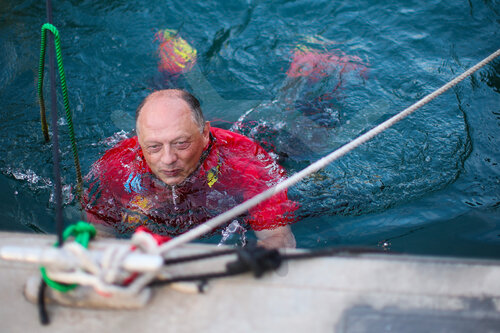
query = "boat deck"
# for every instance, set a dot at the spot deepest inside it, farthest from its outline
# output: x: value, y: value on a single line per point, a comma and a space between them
x: 362, y: 293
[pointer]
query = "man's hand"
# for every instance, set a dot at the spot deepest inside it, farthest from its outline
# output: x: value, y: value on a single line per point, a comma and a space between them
x: 276, y: 238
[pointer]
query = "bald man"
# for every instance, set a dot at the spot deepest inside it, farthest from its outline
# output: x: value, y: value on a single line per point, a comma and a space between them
x: 179, y: 172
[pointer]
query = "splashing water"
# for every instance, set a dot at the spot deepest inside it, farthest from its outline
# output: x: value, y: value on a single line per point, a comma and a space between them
x: 30, y: 176
x: 233, y: 234
x: 174, y: 198
x: 37, y: 183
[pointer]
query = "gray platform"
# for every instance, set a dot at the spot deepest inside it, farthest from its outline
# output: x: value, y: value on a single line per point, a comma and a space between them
x: 366, y: 293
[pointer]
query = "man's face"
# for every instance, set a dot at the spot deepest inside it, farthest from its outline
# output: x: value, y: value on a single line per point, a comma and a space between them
x: 170, y: 139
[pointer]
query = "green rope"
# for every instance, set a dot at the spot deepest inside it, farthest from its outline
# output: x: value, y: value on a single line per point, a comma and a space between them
x: 82, y: 232
x: 62, y: 77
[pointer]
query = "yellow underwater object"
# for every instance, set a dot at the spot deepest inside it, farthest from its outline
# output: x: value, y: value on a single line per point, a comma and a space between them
x: 176, y: 55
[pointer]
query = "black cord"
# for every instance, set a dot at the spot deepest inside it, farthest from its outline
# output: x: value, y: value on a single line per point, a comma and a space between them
x: 330, y: 252
x: 55, y: 131
x: 194, y: 277
x: 255, y: 259
x: 42, y: 309
x: 180, y: 260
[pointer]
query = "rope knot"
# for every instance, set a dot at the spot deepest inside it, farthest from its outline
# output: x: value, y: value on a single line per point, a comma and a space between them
x: 80, y: 228
x: 256, y: 259
x: 82, y: 232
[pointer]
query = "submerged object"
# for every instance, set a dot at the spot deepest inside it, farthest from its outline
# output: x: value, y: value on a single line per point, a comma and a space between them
x: 313, y: 115
x: 176, y: 55
x: 315, y: 64
x: 319, y: 110
x: 314, y: 76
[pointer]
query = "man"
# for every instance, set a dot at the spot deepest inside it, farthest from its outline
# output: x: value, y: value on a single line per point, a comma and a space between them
x: 178, y: 172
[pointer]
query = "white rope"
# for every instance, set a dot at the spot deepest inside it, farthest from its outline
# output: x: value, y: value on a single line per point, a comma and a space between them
x: 107, y: 274
x: 242, y: 208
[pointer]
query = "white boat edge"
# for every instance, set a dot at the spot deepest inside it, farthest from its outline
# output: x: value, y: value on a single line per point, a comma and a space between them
x: 348, y: 293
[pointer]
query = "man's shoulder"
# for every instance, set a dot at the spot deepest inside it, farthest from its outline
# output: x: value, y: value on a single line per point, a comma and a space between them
x: 227, y: 138
x: 242, y: 153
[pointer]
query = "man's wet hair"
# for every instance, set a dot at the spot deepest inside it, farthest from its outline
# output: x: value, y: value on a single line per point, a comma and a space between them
x: 190, y: 99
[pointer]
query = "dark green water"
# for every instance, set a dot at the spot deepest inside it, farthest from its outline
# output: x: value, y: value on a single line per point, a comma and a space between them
x: 429, y: 185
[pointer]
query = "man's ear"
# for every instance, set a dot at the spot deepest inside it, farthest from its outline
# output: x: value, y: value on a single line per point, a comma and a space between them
x: 206, y: 132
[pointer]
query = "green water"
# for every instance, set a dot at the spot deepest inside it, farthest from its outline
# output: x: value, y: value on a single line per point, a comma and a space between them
x: 429, y: 185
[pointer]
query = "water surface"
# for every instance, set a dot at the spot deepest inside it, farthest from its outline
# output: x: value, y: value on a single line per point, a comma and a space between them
x: 429, y: 185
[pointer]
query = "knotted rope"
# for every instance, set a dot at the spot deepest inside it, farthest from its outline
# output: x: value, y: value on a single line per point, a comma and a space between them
x: 82, y: 232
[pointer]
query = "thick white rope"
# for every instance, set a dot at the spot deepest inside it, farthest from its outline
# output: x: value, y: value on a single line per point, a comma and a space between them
x: 242, y: 208
x: 107, y: 274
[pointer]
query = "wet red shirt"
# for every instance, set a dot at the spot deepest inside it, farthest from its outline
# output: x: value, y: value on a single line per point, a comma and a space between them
x: 124, y: 193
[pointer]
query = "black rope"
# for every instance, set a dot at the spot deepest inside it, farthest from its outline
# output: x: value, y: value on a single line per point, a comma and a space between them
x: 195, y: 277
x: 42, y: 309
x: 44, y: 317
x: 55, y: 131
x: 255, y: 259
x: 331, y: 252
x: 180, y: 260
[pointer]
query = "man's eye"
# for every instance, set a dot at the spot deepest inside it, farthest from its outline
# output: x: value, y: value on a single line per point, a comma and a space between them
x: 182, y: 145
x: 154, y: 148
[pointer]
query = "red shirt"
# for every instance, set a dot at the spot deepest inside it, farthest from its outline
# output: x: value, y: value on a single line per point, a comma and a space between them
x: 125, y: 194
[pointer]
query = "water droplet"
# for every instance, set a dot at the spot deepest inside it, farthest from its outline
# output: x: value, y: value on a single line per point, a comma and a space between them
x: 174, y: 198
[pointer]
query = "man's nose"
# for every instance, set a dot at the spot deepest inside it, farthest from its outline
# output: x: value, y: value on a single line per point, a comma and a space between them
x: 169, y: 155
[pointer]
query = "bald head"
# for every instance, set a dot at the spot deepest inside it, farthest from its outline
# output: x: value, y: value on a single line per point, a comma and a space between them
x: 172, y: 134
x: 167, y: 95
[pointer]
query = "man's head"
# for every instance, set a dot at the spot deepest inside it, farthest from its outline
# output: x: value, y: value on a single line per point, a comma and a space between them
x: 172, y: 133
